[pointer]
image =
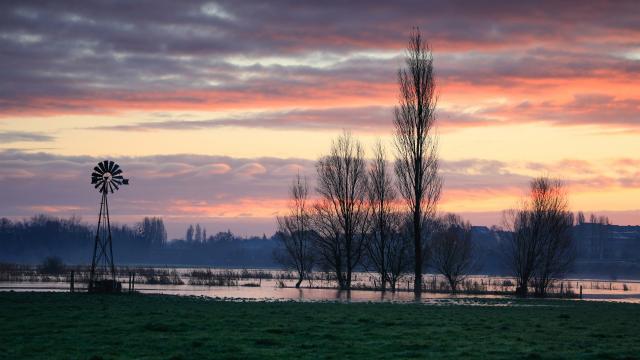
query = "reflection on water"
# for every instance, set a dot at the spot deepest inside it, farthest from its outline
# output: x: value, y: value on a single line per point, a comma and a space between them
x: 274, y: 285
x: 269, y: 291
x: 302, y: 294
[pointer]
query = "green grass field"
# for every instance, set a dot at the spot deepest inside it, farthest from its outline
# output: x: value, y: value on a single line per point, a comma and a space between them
x: 82, y: 326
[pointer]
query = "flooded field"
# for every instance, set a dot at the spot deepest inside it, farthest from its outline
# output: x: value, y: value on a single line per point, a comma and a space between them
x: 273, y: 285
x: 268, y: 292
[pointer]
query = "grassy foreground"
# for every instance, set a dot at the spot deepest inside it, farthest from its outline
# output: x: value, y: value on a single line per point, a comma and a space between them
x: 82, y: 326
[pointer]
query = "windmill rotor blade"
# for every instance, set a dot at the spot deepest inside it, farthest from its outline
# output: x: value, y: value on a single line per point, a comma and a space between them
x: 106, y: 184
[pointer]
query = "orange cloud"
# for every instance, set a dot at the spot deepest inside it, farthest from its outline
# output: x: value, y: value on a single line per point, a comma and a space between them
x: 242, y: 207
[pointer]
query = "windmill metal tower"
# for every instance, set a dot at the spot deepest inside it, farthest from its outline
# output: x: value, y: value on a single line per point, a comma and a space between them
x: 106, y: 177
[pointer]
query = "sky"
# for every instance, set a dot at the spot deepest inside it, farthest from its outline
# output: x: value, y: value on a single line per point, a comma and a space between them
x: 212, y: 107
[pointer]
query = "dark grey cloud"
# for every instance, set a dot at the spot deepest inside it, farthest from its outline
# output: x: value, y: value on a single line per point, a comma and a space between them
x: 43, y: 179
x: 509, y: 67
x: 184, y: 186
x: 375, y: 119
x: 368, y: 118
x: 583, y: 109
x: 162, y: 50
x: 19, y: 136
x: 42, y: 182
x: 478, y: 175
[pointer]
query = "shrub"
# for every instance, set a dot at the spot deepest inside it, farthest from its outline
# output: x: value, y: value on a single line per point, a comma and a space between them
x: 52, y: 265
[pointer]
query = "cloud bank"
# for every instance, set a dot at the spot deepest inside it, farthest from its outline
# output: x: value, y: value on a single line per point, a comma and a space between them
x: 180, y: 187
x: 100, y: 57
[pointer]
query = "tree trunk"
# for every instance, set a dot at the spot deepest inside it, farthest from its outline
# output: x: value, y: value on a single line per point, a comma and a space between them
x: 521, y: 291
x: 348, y: 279
x: 452, y: 285
x: 417, y: 241
x: 343, y: 283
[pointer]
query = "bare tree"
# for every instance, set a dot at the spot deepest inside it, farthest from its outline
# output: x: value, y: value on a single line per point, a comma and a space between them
x: 541, y: 248
x: 387, y: 248
x: 416, y: 144
x: 399, y: 250
x: 294, y: 232
x: 329, y: 239
x: 452, y: 250
x: 341, y: 214
x: 555, y: 221
x: 521, y: 251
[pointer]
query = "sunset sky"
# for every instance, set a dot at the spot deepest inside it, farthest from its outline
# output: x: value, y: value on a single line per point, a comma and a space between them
x: 212, y: 107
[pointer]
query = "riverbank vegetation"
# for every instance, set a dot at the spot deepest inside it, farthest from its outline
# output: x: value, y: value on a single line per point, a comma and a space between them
x: 18, y: 275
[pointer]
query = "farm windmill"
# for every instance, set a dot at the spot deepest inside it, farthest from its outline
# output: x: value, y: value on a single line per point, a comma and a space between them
x: 107, y: 178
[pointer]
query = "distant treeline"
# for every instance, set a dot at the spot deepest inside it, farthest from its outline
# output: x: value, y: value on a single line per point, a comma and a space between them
x: 32, y: 240
x: 604, y: 250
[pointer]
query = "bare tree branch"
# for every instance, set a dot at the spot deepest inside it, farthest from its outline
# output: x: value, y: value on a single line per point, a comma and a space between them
x: 452, y: 250
x: 387, y: 249
x: 294, y: 232
x: 341, y: 216
x: 417, y: 144
x: 541, y: 248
